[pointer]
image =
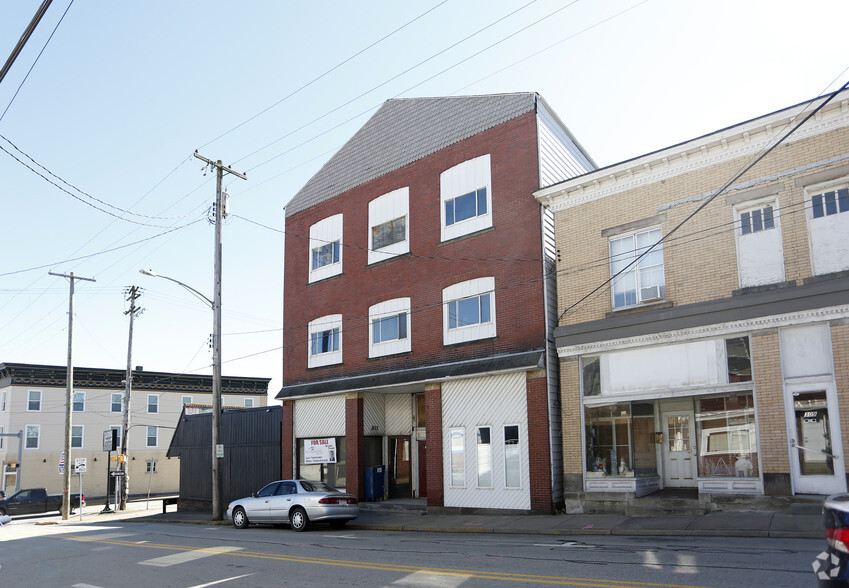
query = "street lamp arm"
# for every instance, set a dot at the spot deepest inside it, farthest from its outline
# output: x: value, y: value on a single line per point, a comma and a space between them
x: 186, y: 286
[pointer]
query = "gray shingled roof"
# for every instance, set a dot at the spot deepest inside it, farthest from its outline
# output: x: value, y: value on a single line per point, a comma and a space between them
x: 403, y: 131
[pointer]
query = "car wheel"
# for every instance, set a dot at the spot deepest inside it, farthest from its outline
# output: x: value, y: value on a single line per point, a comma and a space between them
x: 338, y: 524
x: 298, y: 519
x: 240, y: 518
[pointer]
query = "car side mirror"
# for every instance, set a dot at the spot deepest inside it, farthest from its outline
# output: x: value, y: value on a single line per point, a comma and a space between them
x: 254, y: 494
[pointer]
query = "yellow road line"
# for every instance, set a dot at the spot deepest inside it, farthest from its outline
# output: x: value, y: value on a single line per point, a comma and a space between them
x: 506, y: 577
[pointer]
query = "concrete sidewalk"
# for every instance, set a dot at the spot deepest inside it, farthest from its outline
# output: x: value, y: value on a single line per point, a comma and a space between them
x: 715, y: 524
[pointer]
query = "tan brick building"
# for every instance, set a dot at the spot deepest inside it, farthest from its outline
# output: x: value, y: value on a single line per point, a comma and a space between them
x: 718, y: 360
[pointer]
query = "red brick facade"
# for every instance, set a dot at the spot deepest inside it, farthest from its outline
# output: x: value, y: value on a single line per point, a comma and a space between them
x: 539, y: 447
x: 435, y: 488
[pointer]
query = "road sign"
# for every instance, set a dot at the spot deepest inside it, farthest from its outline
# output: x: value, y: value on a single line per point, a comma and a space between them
x: 80, y: 465
x: 117, y: 474
x: 219, y: 450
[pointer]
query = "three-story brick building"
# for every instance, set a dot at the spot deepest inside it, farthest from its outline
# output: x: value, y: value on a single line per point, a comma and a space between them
x: 419, y: 304
x: 718, y: 360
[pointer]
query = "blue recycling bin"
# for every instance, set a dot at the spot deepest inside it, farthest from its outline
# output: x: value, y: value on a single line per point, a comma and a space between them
x: 374, y: 483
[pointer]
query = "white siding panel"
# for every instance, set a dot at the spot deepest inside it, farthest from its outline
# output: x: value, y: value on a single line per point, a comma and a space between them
x: 320, y: 417
x: 494, y: 402
x: 374, y: 422
x: 399, y: 414
x: 559, y: 157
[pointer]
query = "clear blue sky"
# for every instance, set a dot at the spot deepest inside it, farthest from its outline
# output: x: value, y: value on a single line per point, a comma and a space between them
x: 125, y: 92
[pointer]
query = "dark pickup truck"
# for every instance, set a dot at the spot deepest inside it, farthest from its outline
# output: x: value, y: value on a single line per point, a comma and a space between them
x: 35, y: 501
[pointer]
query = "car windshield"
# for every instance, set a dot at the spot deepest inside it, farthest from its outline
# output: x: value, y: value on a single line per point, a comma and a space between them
x: 317, y: 487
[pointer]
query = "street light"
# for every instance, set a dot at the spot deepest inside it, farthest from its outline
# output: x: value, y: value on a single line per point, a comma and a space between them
x: 217, y: 505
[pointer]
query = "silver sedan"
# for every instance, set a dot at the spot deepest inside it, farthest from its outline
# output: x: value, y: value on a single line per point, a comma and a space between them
x: 296, y: 502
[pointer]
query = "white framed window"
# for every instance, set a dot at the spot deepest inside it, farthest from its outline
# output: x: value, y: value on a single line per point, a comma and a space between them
x: 185, y: 400
x: 457, y: 444
x: 388, y: 221
x: 2, y: 430
x: 152, y: 403
x: 151, y: 466
x: 465, y: 193
x: 249, y: 402
x: 152, y: 436
x: 325, y: 341
x: 326, y: 248
x: 484, y: 447
x: 33, y: 400
x: 77, y: 436
x: 389, y: 327
x: 118, y: 429
x: 79, y: 401
x: 828, y: 225
x: 512, y: 457
x: 33, y: 436
x: 3, y: 402
x: 644, y: 281
x: 117, y: 402
x: 468, y: 311
x: 760, y: 253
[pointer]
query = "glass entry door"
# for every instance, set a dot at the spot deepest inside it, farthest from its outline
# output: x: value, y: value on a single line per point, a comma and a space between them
x: 679, y: 450
x: 818, y: 469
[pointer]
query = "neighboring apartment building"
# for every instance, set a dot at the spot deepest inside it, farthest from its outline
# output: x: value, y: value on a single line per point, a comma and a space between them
x: 33, y: 400
x: 719, y: 361
x: 419, y: 303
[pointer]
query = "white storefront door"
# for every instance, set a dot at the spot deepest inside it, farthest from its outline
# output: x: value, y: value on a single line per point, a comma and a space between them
x: 679, y: 449
x: 815, y: 452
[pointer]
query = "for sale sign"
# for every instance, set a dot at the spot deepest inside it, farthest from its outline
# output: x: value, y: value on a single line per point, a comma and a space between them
x: 320, y: 450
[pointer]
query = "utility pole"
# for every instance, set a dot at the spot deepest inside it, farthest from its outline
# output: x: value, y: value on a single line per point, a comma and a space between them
x: 69, y: 397
x: 133, y: 293
x: 217, y: 447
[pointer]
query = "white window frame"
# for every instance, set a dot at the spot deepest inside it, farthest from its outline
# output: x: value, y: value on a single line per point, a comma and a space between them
x: 74, y: 403
x: 827, y: 233
x: 462, y: 179
x: 185, y: 400
x: 324, y: 232
x: 749, y: 208
x: 155, y: 436
x: 462, y: 291
x: 506, y: 456
x: 27, y: 436
x: 81, y: 436
x: 112, y: 402
x: 155, y: 403
x: 319, y: 325
x: 481, y: 459
x: 456, y: 481
x: 654, y: 292
x: 386, y: 309
x: 751, y: 270
x: 249, y: 402
x: 150, y: 466
x: 384, y: 209
x: 29, y: 400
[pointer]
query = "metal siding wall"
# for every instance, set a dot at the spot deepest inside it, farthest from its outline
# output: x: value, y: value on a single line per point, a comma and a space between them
x: 552, y: 364
x: 399, y: 414
x: 494, y: 402
x: 373, y: 414
x: 320, y: 417
x: 559, y: 158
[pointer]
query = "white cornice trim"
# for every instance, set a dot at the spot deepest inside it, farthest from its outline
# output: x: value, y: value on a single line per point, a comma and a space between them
x: 732, y: 143
x: 818, y: 315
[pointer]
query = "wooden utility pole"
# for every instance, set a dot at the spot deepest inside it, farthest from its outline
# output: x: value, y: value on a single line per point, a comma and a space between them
x: 69, y: 398
x: 133, y: 293
x: 217, y: 446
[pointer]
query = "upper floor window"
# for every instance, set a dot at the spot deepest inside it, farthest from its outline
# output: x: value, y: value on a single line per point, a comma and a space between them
x: 390, y: 327
x: 33, y: 435
x: 152, y: 436
x: 3, y: 402
x: 326, y: 248
x: 469, y: 311
x: 117, y: 402
x: 77, y: 436
x: 186, y: 400
x: 828, y: 226
x: 644, y: 280
x: 466, y: 198
x: 249, y: 402
x: 388, y: 226
x: 325, y: 341
x: 34, y: 400
x: 79, y: 401
x: 152, y: 403
x: 760, y: 254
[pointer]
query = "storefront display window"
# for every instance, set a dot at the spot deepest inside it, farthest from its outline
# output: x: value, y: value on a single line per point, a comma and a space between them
x: 727, y: 439
x: 591, y: 376
x: 609, y: 440
x: 739, y: 359
x: 645, y: 443
x: 328, y: 472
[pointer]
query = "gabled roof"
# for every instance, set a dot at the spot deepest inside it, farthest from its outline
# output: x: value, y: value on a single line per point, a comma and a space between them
x: 403, y: 131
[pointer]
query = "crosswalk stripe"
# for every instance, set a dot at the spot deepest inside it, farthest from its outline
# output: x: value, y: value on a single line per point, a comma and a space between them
x: 184, y: 556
